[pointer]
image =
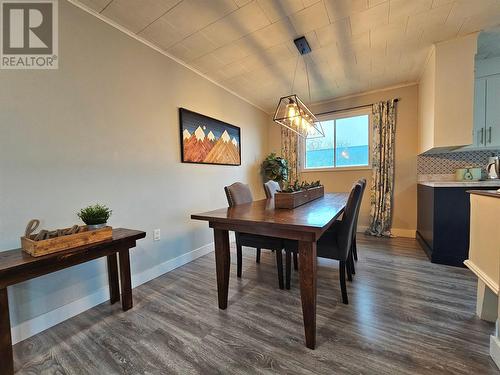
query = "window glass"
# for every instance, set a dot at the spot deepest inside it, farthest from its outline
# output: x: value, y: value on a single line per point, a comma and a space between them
x: 352, y: 148
x: 346, y: 144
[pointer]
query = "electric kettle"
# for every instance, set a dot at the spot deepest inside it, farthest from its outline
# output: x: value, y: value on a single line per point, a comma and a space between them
x: 493, y: 168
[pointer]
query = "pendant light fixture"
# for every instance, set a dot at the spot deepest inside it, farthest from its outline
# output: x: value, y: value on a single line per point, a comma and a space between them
x: 291, y: 112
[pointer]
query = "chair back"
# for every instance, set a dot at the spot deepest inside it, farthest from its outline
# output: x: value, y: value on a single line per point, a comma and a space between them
x: 238, y: 193
x: 271, y: 187
x: 347, y: 226
x: 362, y: 182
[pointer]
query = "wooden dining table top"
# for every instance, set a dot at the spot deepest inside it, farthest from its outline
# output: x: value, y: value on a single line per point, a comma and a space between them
x: 315, y: 216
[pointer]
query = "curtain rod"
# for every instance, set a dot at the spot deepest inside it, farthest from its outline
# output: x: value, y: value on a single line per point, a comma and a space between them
x: 348, y: 109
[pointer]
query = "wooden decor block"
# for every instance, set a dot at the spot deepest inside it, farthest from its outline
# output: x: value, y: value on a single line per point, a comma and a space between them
x: 298, y: 198
x: 53, y: 245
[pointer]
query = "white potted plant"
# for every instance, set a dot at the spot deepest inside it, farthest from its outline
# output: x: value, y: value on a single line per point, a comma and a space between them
x: 96, y: 216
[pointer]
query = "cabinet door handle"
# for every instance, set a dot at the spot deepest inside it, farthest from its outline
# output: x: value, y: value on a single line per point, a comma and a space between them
x: 482, y: 136
x: 489, y: 136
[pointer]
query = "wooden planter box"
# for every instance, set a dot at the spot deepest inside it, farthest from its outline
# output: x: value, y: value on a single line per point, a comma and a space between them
x: 298, y: 198
x: 53, y: 245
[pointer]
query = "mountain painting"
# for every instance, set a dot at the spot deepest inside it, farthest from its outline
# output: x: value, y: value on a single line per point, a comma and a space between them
x: 208, y: 141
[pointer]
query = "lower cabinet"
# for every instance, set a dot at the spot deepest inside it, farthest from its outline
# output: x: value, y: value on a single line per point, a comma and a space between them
x: 443, y: 222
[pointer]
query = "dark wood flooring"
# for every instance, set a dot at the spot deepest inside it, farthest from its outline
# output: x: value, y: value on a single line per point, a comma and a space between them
x: 406, y: 316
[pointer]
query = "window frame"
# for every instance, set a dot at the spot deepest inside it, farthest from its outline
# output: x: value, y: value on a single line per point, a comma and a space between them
x: 337, y: 116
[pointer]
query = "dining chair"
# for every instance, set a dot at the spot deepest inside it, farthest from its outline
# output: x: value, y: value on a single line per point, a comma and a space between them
x: 362, y: 181
x: 239, y: 193
x: 353, y: 254
x: 335, y: 244
x: 270, y: 188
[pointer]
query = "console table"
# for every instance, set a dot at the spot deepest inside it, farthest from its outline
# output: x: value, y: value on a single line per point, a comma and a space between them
x: 17, y: 266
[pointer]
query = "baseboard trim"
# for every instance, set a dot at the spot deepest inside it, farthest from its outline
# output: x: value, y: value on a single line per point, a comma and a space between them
x: 40, y: 323
x: 397, y: 232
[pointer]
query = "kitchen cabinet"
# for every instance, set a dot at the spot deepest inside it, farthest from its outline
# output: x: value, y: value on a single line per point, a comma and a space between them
x: 479, y: 113
x: 486, y: 131
x: 446, y: 96
x: 443, y: 221
x: 492, y: 124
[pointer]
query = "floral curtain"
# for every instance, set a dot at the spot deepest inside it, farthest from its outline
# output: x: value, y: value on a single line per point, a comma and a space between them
x: 289, y: 151
x: 382, y: 186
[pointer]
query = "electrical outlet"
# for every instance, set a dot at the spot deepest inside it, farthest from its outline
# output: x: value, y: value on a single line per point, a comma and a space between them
x: 156, y: 235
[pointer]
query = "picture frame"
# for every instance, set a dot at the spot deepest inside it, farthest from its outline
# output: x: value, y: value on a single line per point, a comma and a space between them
x: 205, y: 140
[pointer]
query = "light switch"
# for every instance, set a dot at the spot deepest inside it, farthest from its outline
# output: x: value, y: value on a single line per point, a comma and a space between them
x: 156, y: 235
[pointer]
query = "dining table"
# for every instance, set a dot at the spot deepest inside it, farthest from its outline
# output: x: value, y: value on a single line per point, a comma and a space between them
x: 305, y: 223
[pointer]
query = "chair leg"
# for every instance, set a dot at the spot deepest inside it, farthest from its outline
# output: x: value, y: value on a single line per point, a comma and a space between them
x: 257, y: 256
x: 239, y: 257
x: 355, y: 249
x: 343, y: 287
x: 288, y: 269
x: 295, y: 262
x: 351, y: 257
x: 279, y: 265
x: 348, y: 267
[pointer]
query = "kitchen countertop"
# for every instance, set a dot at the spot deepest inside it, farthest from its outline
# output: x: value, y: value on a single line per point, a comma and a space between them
x: 472, y: 184
x: 487, y: 193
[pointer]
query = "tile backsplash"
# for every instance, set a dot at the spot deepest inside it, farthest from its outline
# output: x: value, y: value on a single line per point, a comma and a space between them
x: 446, y: 163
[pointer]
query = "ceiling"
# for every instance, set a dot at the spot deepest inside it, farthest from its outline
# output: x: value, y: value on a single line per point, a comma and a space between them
x: 247, y: 45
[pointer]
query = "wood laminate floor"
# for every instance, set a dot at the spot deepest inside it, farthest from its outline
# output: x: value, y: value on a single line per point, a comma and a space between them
x: 406, y: 316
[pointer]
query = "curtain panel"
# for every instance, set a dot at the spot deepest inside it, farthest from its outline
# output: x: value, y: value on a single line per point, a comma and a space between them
x: 382, y: 186
x: 289, y: 151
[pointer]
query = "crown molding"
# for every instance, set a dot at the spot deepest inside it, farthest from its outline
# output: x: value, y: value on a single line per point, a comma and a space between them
x: 158, y: 49
x: 357, y: 95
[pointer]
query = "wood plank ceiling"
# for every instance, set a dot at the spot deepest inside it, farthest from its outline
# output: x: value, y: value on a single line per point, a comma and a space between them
x: 247, y: 46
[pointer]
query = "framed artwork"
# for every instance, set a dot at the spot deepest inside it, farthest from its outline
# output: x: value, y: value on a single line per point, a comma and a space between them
x: 205, y: 140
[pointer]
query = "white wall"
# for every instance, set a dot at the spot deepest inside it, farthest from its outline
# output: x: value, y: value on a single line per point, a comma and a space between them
x: 104, y: 128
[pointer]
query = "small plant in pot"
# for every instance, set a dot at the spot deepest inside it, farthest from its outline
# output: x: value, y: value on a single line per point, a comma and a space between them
x: 96, y: 216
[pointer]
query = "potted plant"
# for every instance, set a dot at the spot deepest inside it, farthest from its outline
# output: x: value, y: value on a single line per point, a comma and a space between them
x: 275, y: 168
x: 298, y: 193
x: 96, y: 216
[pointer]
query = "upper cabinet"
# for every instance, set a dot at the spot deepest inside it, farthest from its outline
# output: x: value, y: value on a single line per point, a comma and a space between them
x: 486, y: 130
x: 446, y: 96
x: 492, y: 124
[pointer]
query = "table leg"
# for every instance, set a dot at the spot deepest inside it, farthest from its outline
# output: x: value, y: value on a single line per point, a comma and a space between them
x: 114, y: 285
x: 307, y: 274
x: 222, y: 263
x: 125, y: 279
x: 6, y: 358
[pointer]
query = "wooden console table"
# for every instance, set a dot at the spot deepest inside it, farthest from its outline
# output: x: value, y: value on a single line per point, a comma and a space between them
x: 16, y: 266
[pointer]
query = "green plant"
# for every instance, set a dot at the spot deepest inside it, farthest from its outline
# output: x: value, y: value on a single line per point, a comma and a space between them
x: 299, y: 186
x: 275, y: 168
x: 96, y: 214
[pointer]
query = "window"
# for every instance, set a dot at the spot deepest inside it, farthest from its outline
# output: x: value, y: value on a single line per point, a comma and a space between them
x: 346, y: 142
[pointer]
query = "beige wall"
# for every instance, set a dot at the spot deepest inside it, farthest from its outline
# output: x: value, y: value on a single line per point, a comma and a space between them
x: 405, y: 195
x: 104, y: 128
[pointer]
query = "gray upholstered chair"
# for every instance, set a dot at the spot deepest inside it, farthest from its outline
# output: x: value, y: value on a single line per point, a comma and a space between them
x: 353, y: 255
x: 271, y: 187
x: 336, y: 244
x: 354, y: 245
x: 239, y: 193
